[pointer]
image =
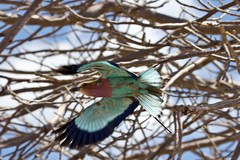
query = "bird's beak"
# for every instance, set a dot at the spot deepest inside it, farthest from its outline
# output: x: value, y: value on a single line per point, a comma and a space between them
x: 78, y: 88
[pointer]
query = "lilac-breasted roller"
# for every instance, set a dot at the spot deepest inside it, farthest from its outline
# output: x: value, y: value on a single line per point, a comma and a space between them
x: 121, y: 92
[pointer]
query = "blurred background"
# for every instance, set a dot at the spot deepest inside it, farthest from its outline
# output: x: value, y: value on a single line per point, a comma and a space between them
x: 195, y: 42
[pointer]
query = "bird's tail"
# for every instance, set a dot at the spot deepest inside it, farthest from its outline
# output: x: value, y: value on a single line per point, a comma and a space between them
x: 151, y: 101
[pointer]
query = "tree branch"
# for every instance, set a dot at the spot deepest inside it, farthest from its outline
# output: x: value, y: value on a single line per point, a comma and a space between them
x: 11, y: 32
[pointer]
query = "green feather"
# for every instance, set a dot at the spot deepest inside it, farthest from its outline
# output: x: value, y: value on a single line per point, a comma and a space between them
x: 127, y: 87
x: 99, y: 114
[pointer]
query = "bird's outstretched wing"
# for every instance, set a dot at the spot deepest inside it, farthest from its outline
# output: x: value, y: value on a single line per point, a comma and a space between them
x: 96, y: 122
x: 107, y: 69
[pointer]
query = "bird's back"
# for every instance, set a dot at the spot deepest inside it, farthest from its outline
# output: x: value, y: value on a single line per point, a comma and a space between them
x: 127, y: 87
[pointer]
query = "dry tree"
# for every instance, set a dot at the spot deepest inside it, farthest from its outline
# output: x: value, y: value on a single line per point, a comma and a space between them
x: 195, y: 43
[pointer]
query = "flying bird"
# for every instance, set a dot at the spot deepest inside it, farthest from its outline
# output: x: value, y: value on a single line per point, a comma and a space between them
x: 121, y: 92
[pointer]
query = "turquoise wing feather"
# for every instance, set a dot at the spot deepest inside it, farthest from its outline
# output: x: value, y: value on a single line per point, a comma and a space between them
x: 105, y: 68
x: 96, y: 122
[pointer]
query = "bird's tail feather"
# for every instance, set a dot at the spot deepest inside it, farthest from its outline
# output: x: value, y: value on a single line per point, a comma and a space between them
x: 151, y: 77
x: 151, y: 101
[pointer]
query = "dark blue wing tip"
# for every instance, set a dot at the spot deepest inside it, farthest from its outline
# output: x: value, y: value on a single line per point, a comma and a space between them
x: 73, y: 69
x: 68, y: 69
x: 72, y: 136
